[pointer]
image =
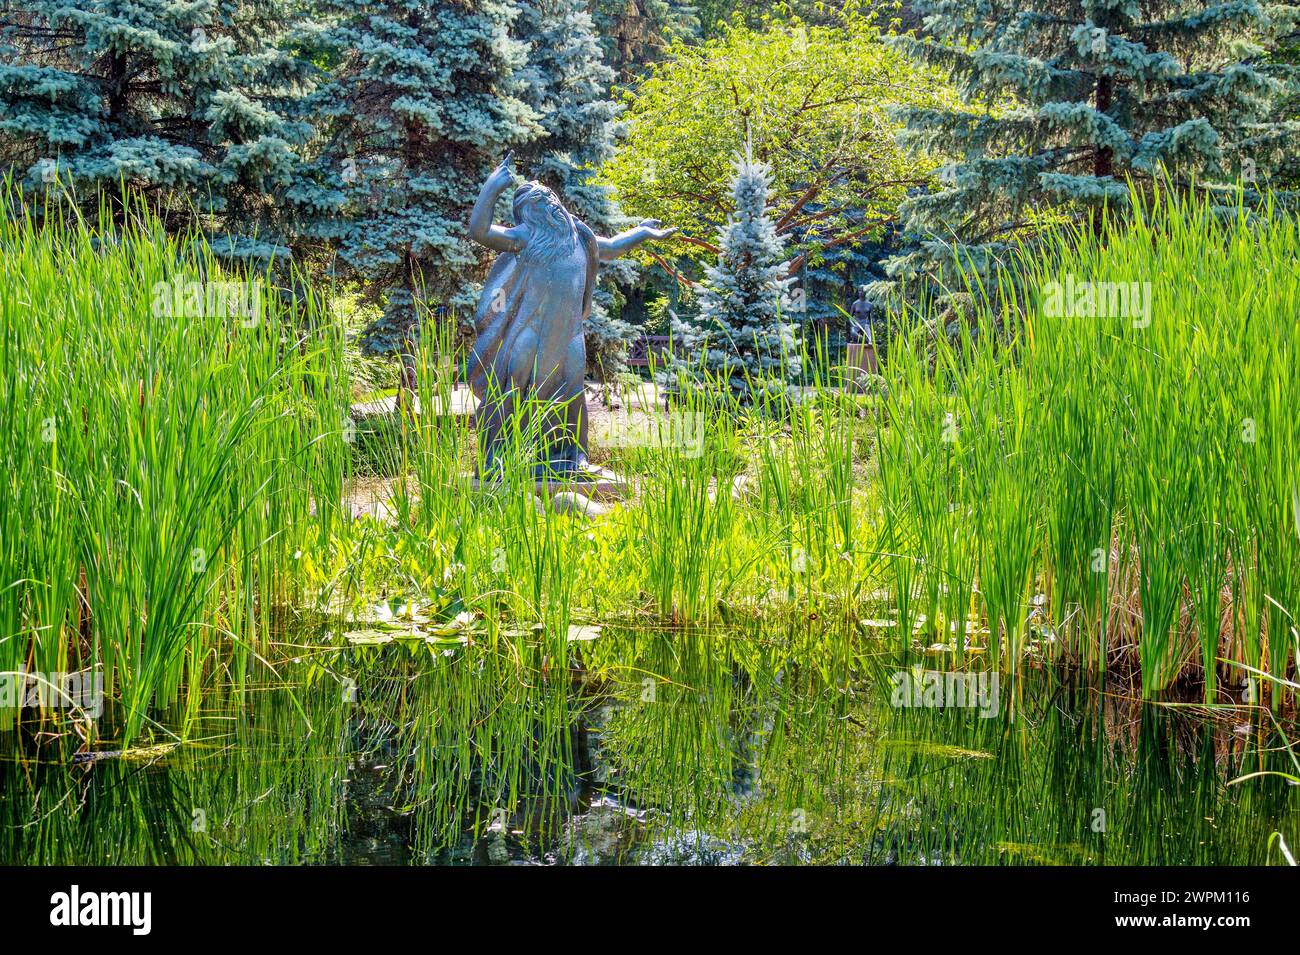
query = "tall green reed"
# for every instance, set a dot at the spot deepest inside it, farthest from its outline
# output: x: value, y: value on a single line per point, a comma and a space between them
x: 1121, y: 447
x: 172, y: 437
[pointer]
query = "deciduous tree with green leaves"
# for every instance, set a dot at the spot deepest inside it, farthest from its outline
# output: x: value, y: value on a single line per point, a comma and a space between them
x: 813, y: 100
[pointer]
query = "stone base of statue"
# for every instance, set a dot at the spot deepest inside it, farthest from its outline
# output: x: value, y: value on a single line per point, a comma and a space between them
x: 597, y: 484
x: 863, y: 358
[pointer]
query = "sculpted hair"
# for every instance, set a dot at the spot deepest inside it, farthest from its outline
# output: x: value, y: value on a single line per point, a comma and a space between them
x: 554, y: 230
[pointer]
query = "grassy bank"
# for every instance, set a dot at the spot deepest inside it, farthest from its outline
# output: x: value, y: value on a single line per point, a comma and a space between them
x: 1115, y: 492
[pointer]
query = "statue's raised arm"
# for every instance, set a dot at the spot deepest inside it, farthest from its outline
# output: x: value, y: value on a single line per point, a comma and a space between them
x: 481, y: 228
x: 625, y: 242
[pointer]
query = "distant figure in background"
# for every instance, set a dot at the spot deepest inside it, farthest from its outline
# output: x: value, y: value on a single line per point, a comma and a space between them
x: 862, y: 337
x: 861, y: 314
x: 529, y: 321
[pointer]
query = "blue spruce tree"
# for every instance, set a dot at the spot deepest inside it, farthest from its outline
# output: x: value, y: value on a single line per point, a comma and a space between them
x: 423, y: 104
x: 184, y: 104
x: 739, y: 336
x: 1104, y: 91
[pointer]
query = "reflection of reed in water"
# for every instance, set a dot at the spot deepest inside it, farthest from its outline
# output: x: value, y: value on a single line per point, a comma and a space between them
x: 683, y: 746
x: 259, y: 785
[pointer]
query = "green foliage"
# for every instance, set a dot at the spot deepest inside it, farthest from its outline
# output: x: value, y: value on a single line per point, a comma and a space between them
x: 1100, y: 95
x: 1129, y: 453
x: 814, y: 102
x: 183, y: 103
x: 715, y: 15
x: 167, y: 450
x: 1165, y: 449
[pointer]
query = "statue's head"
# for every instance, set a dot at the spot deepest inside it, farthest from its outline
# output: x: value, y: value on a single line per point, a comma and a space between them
x: 537, y: 205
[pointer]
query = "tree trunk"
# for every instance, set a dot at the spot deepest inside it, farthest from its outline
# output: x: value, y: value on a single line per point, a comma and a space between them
x: 117, y: 106
x: 117, y: 87
x: 1103, y: 163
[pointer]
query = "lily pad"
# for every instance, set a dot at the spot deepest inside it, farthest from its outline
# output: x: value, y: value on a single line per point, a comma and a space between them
x: 368, y: 638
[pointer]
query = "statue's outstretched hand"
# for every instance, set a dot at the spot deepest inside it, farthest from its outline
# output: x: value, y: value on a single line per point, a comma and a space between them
x: 652, y: 230
x: 503, y: 174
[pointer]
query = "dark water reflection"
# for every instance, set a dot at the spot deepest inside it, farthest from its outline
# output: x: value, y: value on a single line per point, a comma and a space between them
x: 660, y: 748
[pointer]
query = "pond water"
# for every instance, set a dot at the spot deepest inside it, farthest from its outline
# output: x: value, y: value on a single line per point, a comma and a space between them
x: 650, y: 747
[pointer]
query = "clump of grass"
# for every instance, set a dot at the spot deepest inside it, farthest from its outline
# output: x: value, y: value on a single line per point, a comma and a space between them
x: 163, y: 465
x: 1004, y: 487
x: 1149, y: 437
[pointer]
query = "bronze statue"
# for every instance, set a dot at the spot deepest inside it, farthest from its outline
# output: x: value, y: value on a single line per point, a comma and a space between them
x: 861, y: 313
x: 529, y: 323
